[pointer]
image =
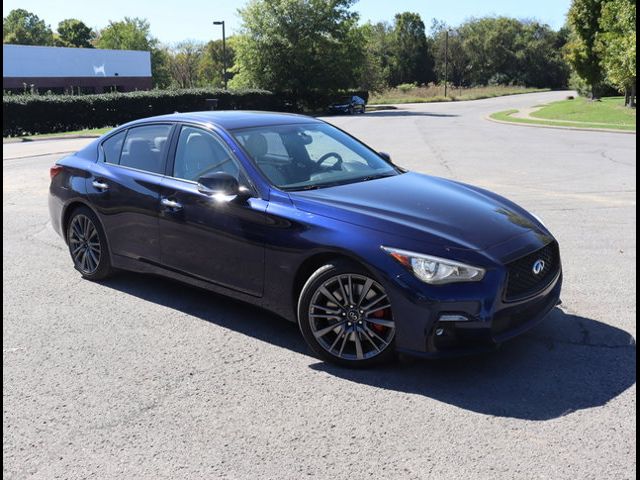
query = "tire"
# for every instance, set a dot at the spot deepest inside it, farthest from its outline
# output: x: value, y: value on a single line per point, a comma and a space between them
x: 364, y: 330
x: 351, y: 112
x: 88, y: 246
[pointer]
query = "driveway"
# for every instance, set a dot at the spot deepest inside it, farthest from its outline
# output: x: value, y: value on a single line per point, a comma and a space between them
x: 140, y: 377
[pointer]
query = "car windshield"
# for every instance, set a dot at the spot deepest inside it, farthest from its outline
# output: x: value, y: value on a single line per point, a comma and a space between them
x: 309, y: 156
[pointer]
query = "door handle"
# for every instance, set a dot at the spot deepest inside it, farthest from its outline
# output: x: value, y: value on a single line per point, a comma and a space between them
x: 172, y: 204
x: 100, y: 185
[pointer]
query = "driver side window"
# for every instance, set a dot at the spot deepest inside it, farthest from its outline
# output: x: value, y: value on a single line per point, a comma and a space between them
x: 199, y: 153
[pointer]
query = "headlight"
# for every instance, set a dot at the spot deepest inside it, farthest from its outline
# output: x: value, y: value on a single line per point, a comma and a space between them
x: 435, y: 270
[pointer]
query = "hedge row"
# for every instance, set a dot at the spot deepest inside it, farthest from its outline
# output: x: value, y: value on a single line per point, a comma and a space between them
x: 31, y: 114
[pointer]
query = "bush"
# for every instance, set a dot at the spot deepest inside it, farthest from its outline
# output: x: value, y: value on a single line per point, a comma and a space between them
x: 30, y: 114
x: 406, y: 87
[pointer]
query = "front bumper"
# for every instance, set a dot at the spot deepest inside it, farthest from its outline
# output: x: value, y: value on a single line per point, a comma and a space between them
x: 427, y: 326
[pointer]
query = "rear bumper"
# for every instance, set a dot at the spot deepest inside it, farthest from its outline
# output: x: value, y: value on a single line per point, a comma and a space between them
x: 428, y: 328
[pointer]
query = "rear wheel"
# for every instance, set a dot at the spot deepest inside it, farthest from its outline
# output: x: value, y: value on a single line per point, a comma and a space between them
x: 88, y: 245
x: 345, y: 316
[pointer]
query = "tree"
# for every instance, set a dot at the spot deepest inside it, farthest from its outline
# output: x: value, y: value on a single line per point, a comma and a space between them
x: 184, y: 62
x: 299, y: 46
x: 581, y: 51
x: 617, y: 46
x: 128, y: 34
x: 413, y: 61
x: 21, y: 27
x: 135, y: 34
x: 74, y: 33
x: 211, y: 67
x: 457, y: 63
x: 375, y: 68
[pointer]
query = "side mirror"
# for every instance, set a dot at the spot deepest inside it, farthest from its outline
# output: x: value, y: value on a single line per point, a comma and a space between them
x: 221, y: 184
x: 386, y: 156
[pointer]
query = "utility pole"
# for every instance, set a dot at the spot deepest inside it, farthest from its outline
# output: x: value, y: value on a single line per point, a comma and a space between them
x: 224, y: 53
x: 446, y: 60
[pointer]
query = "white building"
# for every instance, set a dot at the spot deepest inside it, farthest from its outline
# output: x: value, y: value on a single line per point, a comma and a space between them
x: 89, y: 70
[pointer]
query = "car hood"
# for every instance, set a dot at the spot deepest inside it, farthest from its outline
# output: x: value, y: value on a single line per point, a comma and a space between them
x: 422, y: 207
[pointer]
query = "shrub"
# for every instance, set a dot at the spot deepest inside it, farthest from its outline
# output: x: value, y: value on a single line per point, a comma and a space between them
x: 29, y: 114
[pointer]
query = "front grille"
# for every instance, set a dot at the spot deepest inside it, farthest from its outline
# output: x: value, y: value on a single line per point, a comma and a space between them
x: 522, y: 281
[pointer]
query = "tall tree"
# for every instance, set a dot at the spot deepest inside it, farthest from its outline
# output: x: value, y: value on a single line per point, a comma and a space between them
x: 21, y: 27
x: 617, y: 45
x: 184, y: 64
x: 375, y: 67
x: 211, y: 67
x: 413, y: 61
x: 300, y: 46
x: 457, y: 59
x: 74, y: 33
x: 135, y: 34
x: 581, y: 51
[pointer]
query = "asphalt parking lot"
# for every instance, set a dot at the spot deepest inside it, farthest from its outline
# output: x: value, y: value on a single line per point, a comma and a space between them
x: 141, y: 377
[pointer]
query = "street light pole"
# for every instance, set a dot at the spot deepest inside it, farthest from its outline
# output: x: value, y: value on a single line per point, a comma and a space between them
x: 446, y: 60
x: 224, y: 53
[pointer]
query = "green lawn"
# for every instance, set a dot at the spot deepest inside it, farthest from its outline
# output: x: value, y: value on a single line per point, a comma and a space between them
x: 609, y: 110
x: 609, y: 113
x: 435, y: 93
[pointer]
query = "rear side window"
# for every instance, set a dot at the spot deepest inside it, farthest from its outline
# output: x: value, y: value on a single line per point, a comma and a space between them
x: 145, y: 148
x: 112, y: 147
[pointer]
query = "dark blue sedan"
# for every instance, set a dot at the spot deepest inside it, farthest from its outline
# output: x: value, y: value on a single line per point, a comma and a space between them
x: 294, y: 215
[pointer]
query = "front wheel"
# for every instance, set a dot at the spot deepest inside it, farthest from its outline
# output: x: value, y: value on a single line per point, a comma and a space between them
x: 345, y: 316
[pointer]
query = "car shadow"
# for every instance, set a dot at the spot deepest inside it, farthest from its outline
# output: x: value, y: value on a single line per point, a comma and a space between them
x: 567, y: 363
x: 392, y: 113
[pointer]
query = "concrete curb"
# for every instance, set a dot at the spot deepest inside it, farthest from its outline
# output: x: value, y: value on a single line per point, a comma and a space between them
x: 560, y: 127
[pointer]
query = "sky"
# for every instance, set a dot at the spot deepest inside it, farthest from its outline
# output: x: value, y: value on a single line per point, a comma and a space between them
x: 172, y: 22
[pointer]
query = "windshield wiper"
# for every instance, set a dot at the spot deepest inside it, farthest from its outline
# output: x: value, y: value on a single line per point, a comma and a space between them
x: 375, y: 177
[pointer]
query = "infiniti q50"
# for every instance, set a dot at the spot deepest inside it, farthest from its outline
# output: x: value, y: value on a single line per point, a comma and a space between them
x: 296, y: 216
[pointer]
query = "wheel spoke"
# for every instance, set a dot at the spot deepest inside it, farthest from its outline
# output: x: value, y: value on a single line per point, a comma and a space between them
x: 322, y: 332
x: 323, y: 316
x: 373, y: 302
x: 381, y: 322
x: 369, y: 339
x: 377, y: 309
x: 329, y: 295
x: 359, y: 353
x: 326, y: 309
x: 365, y: 290
x: 338, y: 337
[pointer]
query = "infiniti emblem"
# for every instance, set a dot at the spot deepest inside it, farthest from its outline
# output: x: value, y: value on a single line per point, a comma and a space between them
x: 538, y: 267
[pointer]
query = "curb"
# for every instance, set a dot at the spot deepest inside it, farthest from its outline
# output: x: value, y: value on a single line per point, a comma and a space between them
x: 560, y: 127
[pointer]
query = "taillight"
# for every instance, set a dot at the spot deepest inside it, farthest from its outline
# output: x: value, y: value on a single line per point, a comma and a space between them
x: 55, y: 170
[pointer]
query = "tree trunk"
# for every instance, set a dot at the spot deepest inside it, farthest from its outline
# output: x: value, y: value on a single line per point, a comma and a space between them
x: 627, y: 94
x: 631, y: 102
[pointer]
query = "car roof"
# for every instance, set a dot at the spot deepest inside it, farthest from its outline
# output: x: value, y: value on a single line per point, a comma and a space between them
x: 231, y: 119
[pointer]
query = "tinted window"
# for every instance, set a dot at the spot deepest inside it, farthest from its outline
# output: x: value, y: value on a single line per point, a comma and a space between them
x: 112, y: 146
x: 311, y: 156
x: 145, y: 148
x: 199, y: 152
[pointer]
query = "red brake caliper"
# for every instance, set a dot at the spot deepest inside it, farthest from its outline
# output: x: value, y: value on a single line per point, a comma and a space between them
x: 380, y: 314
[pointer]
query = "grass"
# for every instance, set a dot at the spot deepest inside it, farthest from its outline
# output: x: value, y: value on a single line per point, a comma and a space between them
x: 609, y: 113
x: 75, y: 133
x: 435, y: 93
x: 609, y: 110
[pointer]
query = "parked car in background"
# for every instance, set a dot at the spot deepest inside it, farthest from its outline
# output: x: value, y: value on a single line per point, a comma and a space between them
x: 349, y: 105
x: 292, y: 214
